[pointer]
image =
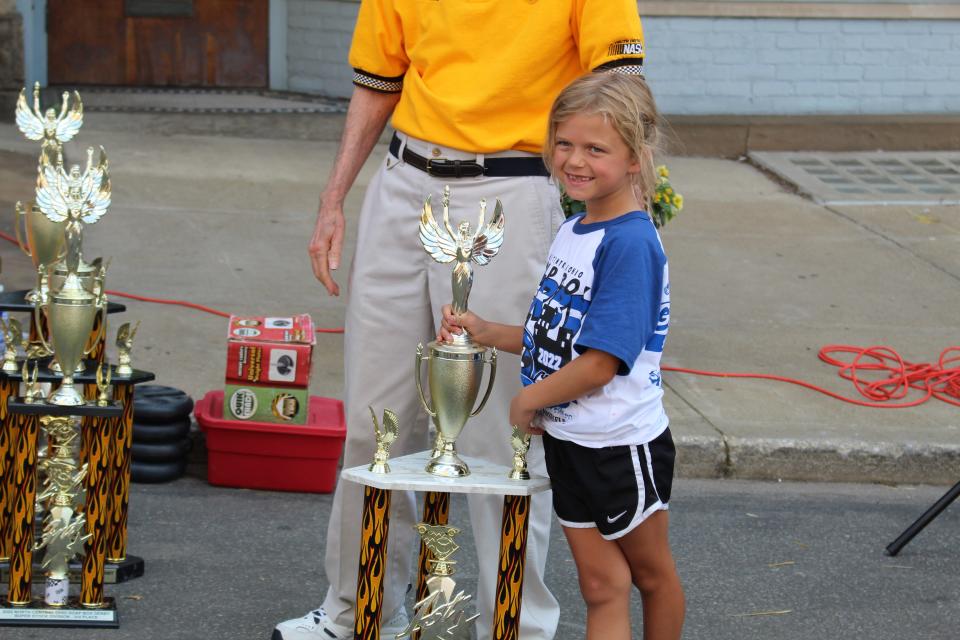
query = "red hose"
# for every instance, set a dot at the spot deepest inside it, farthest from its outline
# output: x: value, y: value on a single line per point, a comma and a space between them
x: 939, y: 381
x: 181, y: 303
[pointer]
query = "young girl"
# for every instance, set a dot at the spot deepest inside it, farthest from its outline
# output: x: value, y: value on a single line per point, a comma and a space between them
x: 590, y: 358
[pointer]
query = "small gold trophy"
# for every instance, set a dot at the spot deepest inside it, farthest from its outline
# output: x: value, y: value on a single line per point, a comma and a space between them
x: 103, y: 383
x: 520, y: 442
x: 384, y: 439
x: 125, y: 338
x: 31, y: 390
x: 12, y: 341
x: 440, y: 616
x: 455, y: 369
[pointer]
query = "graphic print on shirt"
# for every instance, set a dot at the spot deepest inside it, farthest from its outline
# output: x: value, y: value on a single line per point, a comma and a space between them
x: 555, y: 316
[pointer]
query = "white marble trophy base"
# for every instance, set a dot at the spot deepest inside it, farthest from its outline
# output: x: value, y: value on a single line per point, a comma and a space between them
x: 408, y: 473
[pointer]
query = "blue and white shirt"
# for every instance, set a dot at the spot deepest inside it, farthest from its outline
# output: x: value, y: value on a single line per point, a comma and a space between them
x: 605, y: 287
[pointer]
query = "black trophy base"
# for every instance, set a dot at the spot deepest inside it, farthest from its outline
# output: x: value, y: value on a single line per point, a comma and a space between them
x: 113, y: 572
x: 72, y: 614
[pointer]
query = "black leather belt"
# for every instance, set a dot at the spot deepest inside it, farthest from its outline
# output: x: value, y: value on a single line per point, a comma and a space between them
x: 491, y: 167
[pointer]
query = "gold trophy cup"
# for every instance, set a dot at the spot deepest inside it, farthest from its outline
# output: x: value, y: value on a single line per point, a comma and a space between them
x: 70, y: 313
x: 44, y: 240
x: 455, y: 369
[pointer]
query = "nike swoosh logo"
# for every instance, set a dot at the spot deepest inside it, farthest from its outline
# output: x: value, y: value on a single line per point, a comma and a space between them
x: 615, y: 518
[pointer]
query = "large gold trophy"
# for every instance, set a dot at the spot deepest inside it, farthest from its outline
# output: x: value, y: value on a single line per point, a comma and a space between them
x: 44, y: 237
x: 455, y: 369
x: 72, y: 304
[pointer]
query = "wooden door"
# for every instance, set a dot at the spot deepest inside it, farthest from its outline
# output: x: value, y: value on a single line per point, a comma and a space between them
x: 158, y: 43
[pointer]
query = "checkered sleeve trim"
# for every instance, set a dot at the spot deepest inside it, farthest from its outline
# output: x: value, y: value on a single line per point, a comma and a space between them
x: 629, y: 66
x: 377, y: 83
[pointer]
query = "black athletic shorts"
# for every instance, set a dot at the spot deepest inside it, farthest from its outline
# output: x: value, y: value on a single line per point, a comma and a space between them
x: 612, y: 488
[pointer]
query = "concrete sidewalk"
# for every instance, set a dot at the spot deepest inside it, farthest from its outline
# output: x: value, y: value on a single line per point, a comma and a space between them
x: 762, y: 279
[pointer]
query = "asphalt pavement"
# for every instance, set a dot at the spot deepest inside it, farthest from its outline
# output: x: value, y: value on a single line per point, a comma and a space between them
x: 758, y: 560
x: 762, y: 279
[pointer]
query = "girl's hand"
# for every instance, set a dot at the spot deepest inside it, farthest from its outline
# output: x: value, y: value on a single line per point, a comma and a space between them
x: 451, y: 325
x: 524, y: 416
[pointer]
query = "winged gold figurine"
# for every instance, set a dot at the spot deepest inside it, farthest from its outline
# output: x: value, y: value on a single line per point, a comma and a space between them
x: 125, y: 336
x: 103, y: 384
x: 520, y: 442
x: 12, y: 340
x: 54, y: 129
x: 74, y: 196
x: 464, y: 246
x: 31, y: 390
x: 391, y: 428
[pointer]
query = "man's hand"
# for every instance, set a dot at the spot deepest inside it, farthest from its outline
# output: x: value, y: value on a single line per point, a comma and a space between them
x: 366, y: 116
x: 326, y: 245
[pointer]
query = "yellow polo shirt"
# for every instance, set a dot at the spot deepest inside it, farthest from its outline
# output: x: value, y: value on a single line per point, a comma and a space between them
x: 481, y: 75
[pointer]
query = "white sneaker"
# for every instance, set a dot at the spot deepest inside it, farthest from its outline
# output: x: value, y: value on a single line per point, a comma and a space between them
x: 317, y: 625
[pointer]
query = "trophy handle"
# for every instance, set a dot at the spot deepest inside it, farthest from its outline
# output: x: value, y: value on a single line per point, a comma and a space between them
x: 493, y: 376
x: 423, y: 399
x: 101, y: 331
x: 36, y: 319
x: 17, y: 223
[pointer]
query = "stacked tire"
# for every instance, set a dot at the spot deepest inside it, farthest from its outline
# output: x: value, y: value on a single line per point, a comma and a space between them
x: 161, y: 433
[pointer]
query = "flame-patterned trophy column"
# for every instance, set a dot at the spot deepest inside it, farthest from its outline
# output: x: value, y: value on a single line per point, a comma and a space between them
x: 373, y: 562
x: 118, y: 474
x: 8, y: 450
x: 23, y: 512
x: 98, y: 454
x: 513, y: 553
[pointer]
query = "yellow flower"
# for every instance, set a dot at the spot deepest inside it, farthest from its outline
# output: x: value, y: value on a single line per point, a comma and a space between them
x: 656, y: 198
x: 662, y: 171
x: 678, y: 201
x: 668, y: 191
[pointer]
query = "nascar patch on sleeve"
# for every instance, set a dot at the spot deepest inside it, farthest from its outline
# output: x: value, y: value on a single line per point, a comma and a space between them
x: 626, y: 48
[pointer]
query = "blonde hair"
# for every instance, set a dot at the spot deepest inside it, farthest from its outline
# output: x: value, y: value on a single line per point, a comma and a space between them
x: 626, y: 102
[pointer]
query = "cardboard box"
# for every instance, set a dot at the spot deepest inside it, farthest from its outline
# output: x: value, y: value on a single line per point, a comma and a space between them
x: 277, y: 405
x: 270, y: 350
x: 283, y: 457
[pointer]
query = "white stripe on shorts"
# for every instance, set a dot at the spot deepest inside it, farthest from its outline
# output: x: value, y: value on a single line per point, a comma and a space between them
x: 640, y: 515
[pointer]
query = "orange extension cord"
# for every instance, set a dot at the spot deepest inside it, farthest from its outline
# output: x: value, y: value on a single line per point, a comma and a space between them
x: 941, y: 381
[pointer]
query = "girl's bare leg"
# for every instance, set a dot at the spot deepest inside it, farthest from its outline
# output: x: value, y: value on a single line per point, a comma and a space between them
x: 605, y: 582
x: 647, y: 551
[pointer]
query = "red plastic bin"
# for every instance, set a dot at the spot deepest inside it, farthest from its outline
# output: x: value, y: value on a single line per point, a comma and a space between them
x: 261, y: 455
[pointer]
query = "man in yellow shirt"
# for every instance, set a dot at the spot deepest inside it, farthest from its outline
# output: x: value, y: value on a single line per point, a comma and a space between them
x: 469, y: 84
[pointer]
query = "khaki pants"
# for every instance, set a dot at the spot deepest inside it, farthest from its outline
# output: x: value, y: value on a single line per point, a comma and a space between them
x: 395, y: 294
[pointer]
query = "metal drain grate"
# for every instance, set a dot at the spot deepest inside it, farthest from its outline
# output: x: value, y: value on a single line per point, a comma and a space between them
x: 869, y: 178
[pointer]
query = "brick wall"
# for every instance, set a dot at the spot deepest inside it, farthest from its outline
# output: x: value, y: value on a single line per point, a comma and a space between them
x: 318, y: 40
x: 722, y: 66
x: 788, y: 66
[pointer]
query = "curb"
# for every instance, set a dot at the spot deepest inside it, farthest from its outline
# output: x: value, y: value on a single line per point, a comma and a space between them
x: 817, y: 461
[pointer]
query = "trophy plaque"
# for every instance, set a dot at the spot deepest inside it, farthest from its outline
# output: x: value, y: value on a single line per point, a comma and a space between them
x: 455, y: 368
